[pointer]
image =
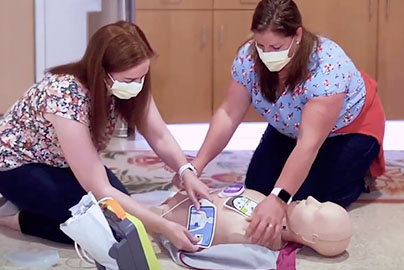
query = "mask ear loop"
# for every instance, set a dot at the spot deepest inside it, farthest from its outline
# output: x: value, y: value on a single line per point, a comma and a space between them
x: 296, y: 48
x: 107, y: 84
x: 291, y: 43
x: 110, y: 76
x: 290, y: 46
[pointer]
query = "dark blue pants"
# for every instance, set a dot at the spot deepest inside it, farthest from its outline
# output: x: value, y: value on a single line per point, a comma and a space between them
x: 337, y: 174
x: 44, y: 194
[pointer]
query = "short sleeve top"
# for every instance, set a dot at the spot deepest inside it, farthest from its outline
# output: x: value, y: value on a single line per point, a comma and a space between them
x: 331, y: 72
x: 27, y: 137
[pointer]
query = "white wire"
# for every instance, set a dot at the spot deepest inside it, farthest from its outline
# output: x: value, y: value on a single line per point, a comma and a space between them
x: 104, y: 199
x: 87, y: 256
x: 86, y: 259
x: 184, y: 200
x: 175, y: 206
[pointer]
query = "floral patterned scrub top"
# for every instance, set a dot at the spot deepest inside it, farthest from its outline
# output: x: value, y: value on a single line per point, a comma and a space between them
x: 27, y: 137
x: 331, y: 72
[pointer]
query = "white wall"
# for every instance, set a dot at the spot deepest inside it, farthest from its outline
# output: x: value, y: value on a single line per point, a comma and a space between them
x: 63, y: 28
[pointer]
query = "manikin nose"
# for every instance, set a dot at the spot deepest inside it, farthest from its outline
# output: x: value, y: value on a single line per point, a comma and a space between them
x: 311, y: 201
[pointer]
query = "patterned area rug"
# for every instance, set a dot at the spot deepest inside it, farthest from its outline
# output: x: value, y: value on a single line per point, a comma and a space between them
x: 143, y: 171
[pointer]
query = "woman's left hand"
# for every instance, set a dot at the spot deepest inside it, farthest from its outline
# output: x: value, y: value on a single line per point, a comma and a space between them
x: 176, y: 181
x: 266, y: 222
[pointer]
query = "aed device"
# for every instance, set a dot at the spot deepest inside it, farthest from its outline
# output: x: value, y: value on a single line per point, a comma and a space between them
x: 133, y: 250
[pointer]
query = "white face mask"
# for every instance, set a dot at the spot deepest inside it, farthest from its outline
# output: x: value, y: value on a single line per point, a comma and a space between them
x: 275, y: 61
x: 125, y: 90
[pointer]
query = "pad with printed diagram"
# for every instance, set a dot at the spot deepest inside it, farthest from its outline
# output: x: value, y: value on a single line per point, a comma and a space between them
x: 201, y: 224
x: 241, y: 204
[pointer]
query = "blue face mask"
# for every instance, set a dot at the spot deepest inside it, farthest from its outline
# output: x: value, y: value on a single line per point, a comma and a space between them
x: 125, y: 90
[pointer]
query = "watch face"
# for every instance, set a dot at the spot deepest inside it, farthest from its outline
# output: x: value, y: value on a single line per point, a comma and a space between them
x: 284, y: 195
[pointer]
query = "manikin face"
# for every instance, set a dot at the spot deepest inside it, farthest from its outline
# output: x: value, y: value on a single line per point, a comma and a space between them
x: 315, y: 221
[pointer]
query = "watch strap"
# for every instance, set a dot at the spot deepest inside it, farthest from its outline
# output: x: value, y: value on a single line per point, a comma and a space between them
x: 282, y: 194
x: 184, y: 168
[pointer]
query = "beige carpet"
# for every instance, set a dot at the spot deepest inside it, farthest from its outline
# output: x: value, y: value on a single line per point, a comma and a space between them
x: 376, y: 244
x: 378, y: 237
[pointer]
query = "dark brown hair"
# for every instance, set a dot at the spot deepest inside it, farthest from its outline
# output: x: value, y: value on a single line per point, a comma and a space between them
x: 282, y: 17
x: 113, y: 48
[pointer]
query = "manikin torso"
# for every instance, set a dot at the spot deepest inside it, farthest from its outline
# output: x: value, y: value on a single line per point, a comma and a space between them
x: 325, y: 227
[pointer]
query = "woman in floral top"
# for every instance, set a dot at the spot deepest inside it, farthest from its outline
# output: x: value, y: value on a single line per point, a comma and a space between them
x: 326, y: 123
x: 50, y: 138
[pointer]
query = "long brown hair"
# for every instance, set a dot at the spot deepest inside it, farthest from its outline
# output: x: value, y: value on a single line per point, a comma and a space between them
x: 113, y: 48
x: 283, y: 17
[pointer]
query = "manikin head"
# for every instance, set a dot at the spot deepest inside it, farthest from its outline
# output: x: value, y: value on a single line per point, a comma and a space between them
x: 325, y: 227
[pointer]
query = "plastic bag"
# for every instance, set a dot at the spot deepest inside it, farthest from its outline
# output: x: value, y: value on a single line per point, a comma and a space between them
x: 39, y: 259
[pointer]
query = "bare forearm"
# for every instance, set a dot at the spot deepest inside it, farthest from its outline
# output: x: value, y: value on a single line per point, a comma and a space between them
x: 296, y: 168
x: 101, y: 188
x: 152, y: 222
x: 167, y: 148
x: 318, y: 117
x: 220, y: 131
x: 87, y: 167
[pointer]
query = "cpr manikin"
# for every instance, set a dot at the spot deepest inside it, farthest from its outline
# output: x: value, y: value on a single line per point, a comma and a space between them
x: 324, y: 227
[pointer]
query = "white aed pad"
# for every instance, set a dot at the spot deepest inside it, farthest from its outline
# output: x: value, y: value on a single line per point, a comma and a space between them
x: 241, y: 204
x: 201, y: 224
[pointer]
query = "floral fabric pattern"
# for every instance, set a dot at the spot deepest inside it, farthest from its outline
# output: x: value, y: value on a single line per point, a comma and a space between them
x: 331, y: 72
x: 143, y: 171
x: 27, y: 137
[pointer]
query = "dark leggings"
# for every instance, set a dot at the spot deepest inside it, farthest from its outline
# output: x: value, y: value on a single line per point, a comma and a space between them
x: 44, y: 194
x: 337, y: 174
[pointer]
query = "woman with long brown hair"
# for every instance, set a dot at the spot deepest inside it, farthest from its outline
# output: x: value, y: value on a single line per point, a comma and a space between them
x: 326, y: 122
x: 50, y: 138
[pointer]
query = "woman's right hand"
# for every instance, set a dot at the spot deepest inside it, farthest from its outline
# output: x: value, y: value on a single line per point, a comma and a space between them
x: 179, y: 236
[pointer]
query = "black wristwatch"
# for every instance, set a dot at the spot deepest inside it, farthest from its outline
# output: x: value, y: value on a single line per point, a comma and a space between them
x: 282, y: 194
